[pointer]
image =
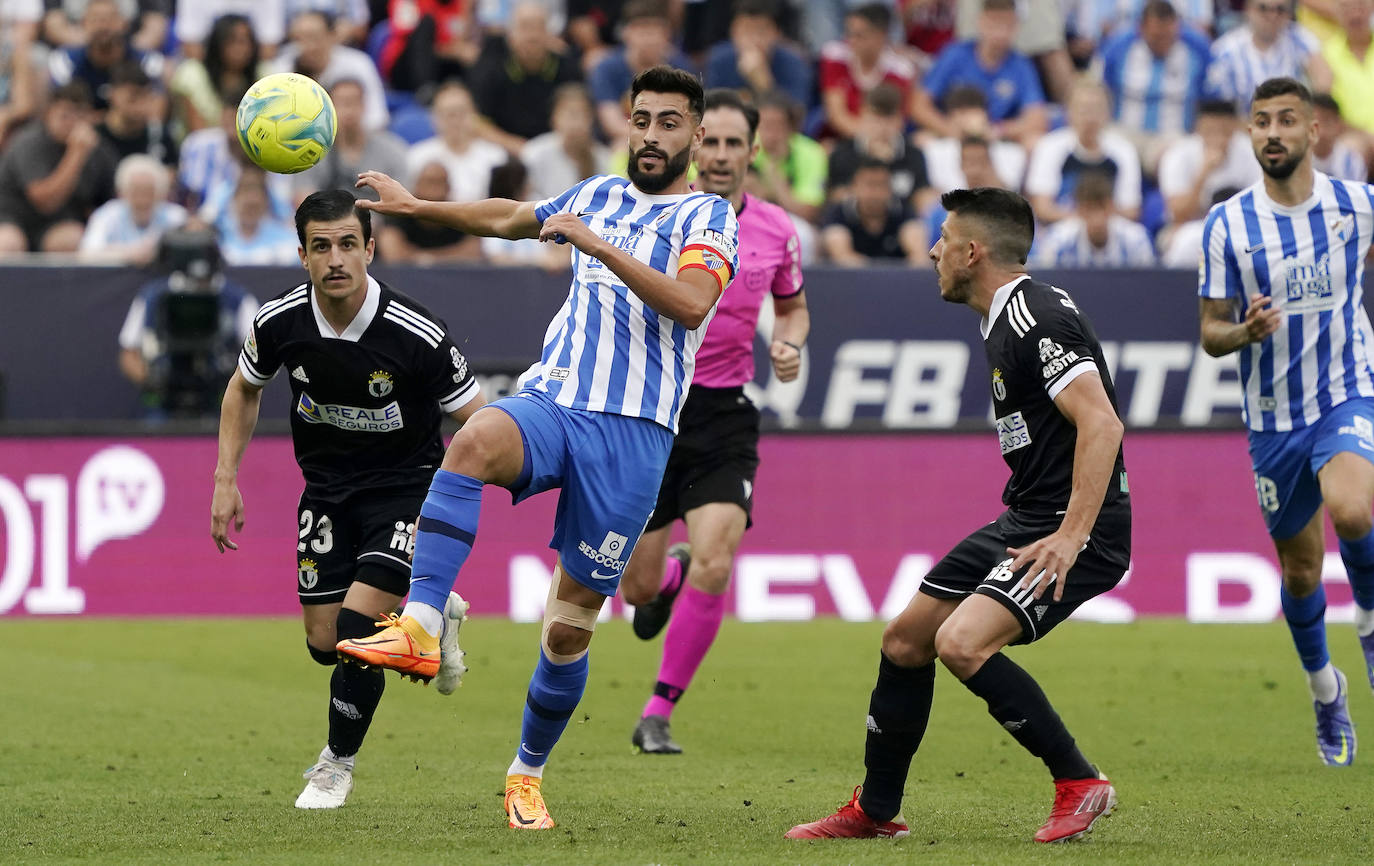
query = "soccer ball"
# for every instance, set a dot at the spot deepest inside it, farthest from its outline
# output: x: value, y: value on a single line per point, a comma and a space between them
x: 286, y: 122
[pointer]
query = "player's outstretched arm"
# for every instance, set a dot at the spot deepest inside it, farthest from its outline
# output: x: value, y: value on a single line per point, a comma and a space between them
x: 1222, y: 334
x: 1085, y: 403
x: 238, y: 416
x: 686, y: 299
x: 492, y: 217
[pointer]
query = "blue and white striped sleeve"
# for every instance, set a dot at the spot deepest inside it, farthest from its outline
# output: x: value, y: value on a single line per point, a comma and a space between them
x: 559, y: 203
x: 1218, y: 271
x: 712, y: 227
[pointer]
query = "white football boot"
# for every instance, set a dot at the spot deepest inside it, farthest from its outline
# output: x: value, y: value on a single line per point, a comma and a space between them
x: 328, y: 784
x: 451, y: 667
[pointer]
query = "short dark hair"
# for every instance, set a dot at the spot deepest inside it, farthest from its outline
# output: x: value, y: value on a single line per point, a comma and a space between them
x: 724, y: 97
x: 756, y: 9
x: 328, y: 205
x: 1216, y: 108
x: 1327, y: 101
x: 635, y: 10
x: 667, y: 79
x: 974, y: 141
x: 999, y: 6
x: 1161, y: 9
x: 1007, y: 218
x: 871, y: 163
x: 884, y: 100
x: 785, y: 103
x: 1094, y: 187
x: 1275, y: 87
x: 129, y: 72
x: 877, y: 14
x: 508, y: 179
x: 965, y: 96
x: 74, y: 92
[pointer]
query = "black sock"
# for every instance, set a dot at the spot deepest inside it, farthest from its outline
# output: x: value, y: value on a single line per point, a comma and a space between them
x: 353, y: 692
x: 1017, y: 703
x: 898, y: 711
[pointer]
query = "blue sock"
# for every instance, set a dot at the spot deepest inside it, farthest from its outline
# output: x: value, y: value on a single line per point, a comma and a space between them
x: 1307, y: 621
x: 444, y: 536
x: 1358, y: 557
x: 553, y: 695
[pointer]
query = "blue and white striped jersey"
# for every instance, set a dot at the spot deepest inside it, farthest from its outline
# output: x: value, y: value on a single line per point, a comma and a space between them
x: 606, y: 350
x: 1238, y: 66
x: 1310, y: 259
x: 1067, y: 245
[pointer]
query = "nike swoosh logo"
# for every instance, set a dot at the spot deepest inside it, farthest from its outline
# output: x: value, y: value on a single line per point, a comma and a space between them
x: 596, y: 573
x: 515, y: 810
x: 1252, y: 250
x: 1345, y: 750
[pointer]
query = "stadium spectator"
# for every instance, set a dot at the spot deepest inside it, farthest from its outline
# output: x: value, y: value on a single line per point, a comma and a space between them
x: 1096, y: 236
x: 467, y: 158
x: 352, y: 18
x: 195, y: 18
x: 514, y: 80
x: 406, y: 239
x: 315, y: 51
x: 1039, y: 36
x: 928, y: 26
x: 1180, y: 246
x: 1097, y: 21
x: 355, y: 149
x: 1215, y: 156
x: 1352, y: 64
x: 592, y: 29
x: 872, y: 224
x: 1016, y: 104
x: 431, y: 41
x: 879, y: 137
x: 511, y: 181
x: 178, y: 359
x: 54, y: 172
x: 790, y: 169
x: 106, y: 46
x: 755, y: 58
x: 1155, y: 73
x: 646, y: 31
x: 208, y: 156
x: 967, y: 113
x: 250, y: 232
x: 149, y: 19
x: 134, y: 122
x: 23, y: 85
x: 976, y: 167
x: 229, y: 63
x: 568, y: 153
x: 1086, y: 143
x: 850, y: 68
x: 1333, y: 153
x: 1269, y: 45
x: 703, y: 24
x: 126, y: 229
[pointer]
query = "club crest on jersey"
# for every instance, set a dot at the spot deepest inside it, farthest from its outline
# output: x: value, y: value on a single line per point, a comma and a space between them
x: 308, y: 573
x: 999, y: 388
x: 379, y: 383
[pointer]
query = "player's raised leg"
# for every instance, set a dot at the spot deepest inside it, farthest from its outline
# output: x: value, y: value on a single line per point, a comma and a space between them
x: 898, y: 712
x: 488, y: 449
x: 714, y: 531
x: 1347, y: 483
x: 1304, y: 609
x: 556, y: 687
x: 651, y: 578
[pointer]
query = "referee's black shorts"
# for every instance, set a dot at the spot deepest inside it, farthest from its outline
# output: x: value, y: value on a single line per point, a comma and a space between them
x: 980, y: 564
x: 714, y: 457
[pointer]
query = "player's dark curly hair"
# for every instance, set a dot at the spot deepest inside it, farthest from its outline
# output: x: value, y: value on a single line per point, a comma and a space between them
x: 1009, y: 224
x: 1272, y: 87
x: 667, y: 79
x: 328, y: 205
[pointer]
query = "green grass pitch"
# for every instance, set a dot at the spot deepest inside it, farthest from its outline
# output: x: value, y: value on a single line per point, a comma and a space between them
x: 184, y: 741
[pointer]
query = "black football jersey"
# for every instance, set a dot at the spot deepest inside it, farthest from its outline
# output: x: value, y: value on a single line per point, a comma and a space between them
x: 365, y: 404
x: 1038, y: 342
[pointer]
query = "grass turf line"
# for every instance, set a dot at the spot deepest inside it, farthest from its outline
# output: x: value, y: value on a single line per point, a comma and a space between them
x: 183, y: 741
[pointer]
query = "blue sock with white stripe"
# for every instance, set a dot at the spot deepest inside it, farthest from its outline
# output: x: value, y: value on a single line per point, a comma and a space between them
x: 554, y: 693
x: 1306, y: 618
x: 1358, y: 557
x: 443, y: 537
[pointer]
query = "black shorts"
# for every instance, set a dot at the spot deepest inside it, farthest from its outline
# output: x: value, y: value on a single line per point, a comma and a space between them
x: 368, y: 537
x: 714, y: 457
x: 980, y: 564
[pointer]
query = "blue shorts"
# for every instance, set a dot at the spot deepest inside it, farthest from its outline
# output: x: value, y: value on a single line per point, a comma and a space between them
x: 1286, y: 464
x: 609, y: 467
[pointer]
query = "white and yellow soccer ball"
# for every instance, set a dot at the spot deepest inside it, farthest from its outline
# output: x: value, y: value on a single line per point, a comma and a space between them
x: 286, y: 122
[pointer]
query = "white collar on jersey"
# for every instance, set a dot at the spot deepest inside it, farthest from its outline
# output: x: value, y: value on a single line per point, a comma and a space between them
x: 999, y: 300
x: 1319, y: 184
x: 355, y: 328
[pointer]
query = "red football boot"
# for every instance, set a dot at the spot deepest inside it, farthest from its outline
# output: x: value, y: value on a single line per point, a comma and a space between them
x: 849, y: 822
x: 1077, y: 804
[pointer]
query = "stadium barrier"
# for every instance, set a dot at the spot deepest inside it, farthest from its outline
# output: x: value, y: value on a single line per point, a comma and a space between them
x: 885, y: 353
x: 845, y: 526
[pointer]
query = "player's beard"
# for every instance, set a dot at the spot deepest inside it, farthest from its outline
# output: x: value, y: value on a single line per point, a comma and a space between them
x: 674, y: 167
x: 1281, y: 170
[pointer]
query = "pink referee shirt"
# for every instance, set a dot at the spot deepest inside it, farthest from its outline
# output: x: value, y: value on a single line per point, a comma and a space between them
x: 769, y: 262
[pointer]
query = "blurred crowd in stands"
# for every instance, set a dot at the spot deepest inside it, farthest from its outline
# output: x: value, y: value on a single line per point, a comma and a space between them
x: 1122, y: 121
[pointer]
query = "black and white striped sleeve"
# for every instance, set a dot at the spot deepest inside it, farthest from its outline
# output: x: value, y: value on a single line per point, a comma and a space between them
x: 450, y: 380
x: 260, y: 356
x: 1052, y: 339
